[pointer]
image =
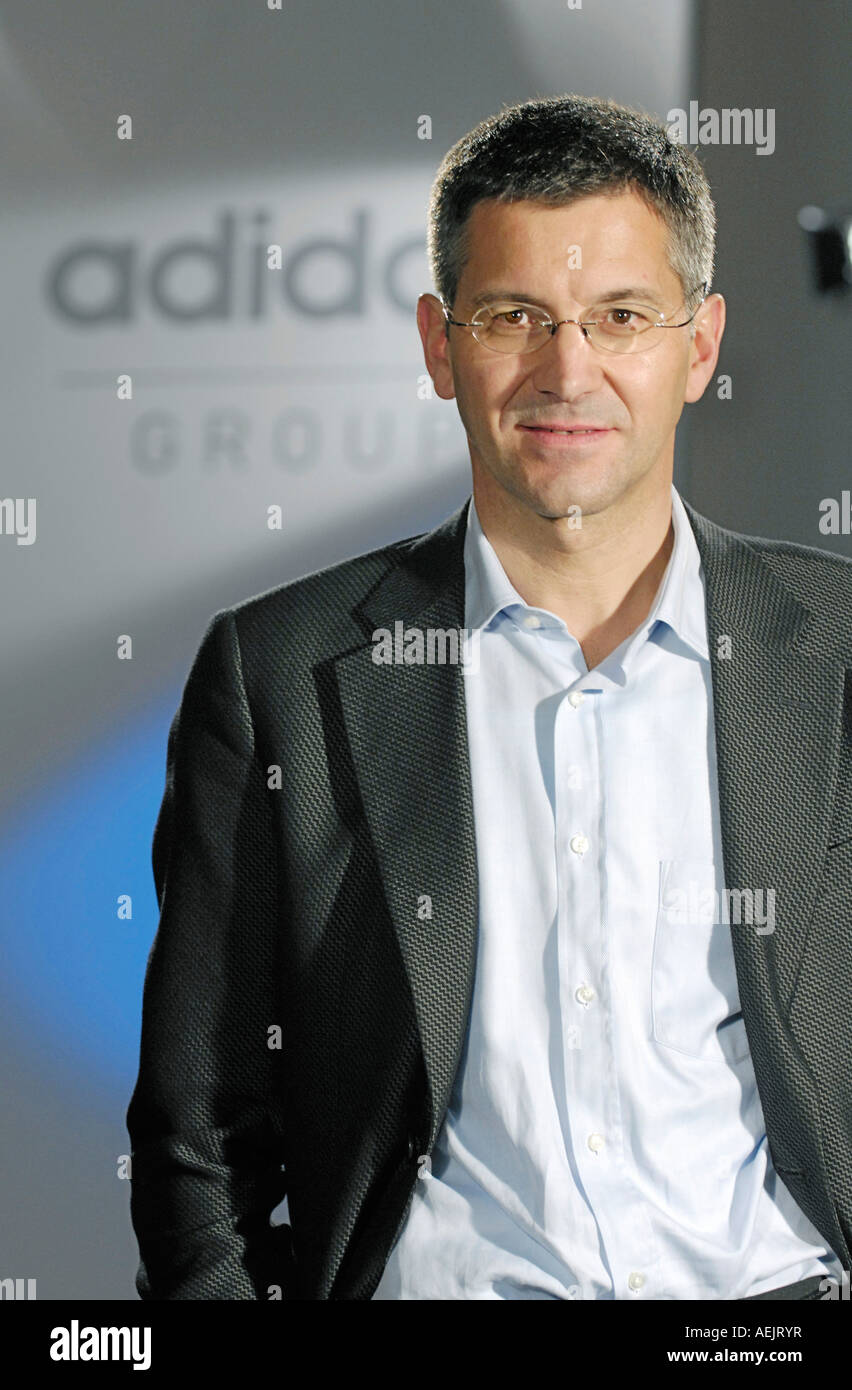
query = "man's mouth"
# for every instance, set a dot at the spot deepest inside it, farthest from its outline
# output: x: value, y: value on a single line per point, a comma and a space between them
x: 573, y: 429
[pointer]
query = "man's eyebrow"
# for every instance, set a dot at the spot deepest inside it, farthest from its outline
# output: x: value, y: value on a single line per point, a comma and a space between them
x: 637, y: 295
x: 644, y: 295
x: 485, y: 295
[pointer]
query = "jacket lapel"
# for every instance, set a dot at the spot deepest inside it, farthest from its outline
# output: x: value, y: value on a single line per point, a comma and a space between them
x: 408, y: 734
x: 778, y: 702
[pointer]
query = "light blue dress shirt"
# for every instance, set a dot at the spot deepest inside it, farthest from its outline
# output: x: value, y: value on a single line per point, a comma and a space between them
x: 605, y: 1137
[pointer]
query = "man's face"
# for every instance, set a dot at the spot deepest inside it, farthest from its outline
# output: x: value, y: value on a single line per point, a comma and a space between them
x: 633, y: 399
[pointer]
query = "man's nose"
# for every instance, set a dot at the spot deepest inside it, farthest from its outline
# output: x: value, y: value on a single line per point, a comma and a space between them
x: 565, y: 359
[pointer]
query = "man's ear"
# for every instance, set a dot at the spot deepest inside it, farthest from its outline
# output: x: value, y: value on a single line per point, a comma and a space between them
x: 704, y: 348
x: 436, y: 345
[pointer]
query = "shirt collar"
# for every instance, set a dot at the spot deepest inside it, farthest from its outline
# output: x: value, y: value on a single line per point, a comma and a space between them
x: 679, y: 602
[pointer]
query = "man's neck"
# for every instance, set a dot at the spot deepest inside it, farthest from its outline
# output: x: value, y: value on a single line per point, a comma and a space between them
x: 601, y: 578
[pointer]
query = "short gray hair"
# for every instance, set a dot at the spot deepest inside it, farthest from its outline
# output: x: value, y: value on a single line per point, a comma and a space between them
x: 557, y: 149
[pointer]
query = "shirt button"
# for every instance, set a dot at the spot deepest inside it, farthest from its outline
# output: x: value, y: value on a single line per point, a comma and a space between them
x: 532, y: 621
x: 635, y: 1281
x: 579, y: 844
x: 595, y: 1142
x: 575, y: 698
x: 585, y: 994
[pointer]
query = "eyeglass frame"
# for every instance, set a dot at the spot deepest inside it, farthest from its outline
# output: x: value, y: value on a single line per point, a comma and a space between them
x: 551, y: 325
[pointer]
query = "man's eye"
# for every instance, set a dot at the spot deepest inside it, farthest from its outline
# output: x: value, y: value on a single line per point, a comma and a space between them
x: 512, y: 318
x: 623, y: 317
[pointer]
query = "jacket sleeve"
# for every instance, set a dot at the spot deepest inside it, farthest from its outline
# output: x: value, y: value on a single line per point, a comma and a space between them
x: 205, y: 1120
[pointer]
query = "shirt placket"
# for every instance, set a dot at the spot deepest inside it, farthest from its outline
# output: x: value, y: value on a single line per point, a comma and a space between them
x: 595, y: 1135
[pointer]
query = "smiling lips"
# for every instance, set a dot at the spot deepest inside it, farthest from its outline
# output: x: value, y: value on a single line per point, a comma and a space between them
x: 567, y: 429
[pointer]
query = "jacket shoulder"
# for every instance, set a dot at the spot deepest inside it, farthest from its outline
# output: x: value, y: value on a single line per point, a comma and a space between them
x: 323, y: 592
x: 318, y: 613
x: 821, y: 580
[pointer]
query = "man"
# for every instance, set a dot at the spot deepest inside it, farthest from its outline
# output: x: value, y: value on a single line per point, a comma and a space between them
x: 524, y: 975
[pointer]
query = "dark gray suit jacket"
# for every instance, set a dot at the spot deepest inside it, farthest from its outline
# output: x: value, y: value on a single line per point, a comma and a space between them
x: 290, y: 903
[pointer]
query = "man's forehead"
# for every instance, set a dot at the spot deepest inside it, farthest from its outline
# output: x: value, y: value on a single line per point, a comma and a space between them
x: 623, y: 216
x: 599, y: 233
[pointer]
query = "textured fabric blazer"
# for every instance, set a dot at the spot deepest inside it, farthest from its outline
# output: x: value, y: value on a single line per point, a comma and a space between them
x: 302, y: 1026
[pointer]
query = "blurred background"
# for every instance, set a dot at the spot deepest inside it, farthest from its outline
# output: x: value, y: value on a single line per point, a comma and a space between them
x: 298, y: 388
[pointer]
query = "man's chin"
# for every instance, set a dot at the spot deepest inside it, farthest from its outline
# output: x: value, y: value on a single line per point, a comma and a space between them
x: 559, y: 498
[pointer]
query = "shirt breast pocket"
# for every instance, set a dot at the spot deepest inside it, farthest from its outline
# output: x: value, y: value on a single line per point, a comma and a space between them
x: 695, y: 1003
